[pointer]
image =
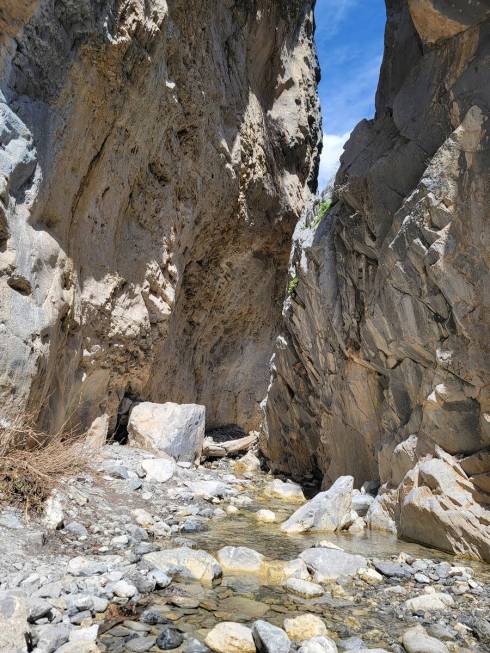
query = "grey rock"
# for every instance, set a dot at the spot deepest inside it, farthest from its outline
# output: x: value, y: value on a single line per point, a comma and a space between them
x: 392, y: 569
x: 194, y: 646
x: 140, y: 644
x: 416, y: 640
x: 38, y: 608
x: 329, y: 564
x: 269, y: 638
x: 14, y: 629
x: 169, y: 638
x: 76, y: 529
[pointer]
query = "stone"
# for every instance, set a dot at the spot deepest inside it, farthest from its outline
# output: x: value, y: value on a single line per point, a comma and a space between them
x: 14, y: 629
x: 169, y: 638
x: 194, y: 646
x: 208, y: 489
x: 158, y: 469
x: 416, y: 640
x: 429, y: 602
x: 79, y: 647
x: 76, y: 529
x: 290, y: 491
x: 53, y: 513
x: 174, y: 429
x: 327, y: 512
x: 304, y: 588
x: 269, y: 638
x: 247, y: 463
x: 392, y: 569
x: 370, y: 576
x: 318, y: 645
x: 361, y: 503
x: 81, y: 566
x: 265, y: 516
x: 230, y: 637
x: 328, y: 564
x: 51, y: 636
x: 38, y: 608
x: 240, y: 559
x: 296, y: 568
x: 304, y: 626
x: 186, y: 563
x: 123, y: 589
x: 142, y: 517
x: 141, y: 644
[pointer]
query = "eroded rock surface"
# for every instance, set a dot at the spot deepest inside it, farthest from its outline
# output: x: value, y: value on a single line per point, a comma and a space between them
x: 384, y: 352
x: 154, y: 159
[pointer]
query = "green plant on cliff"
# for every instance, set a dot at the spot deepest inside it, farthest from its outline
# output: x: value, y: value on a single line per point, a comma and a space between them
x: 293, y: 282
x: 323, y: 209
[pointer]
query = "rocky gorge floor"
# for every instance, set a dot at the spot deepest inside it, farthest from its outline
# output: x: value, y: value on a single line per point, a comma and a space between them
x: 144, y: 554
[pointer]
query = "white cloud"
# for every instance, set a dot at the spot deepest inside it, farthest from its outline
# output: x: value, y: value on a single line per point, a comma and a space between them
x: 333, y: 145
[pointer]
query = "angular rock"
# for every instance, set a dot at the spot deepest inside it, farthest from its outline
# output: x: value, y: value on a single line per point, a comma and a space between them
x: 318, y: 645
x: 158, y: 469
x: 329, y: 564
x: 328, y: 511
x: 14, y: 629
x: 304, y: 588
x: 186, y: 563
x: 230, y: 637
x: 175, y: 429
x: 269, y: 638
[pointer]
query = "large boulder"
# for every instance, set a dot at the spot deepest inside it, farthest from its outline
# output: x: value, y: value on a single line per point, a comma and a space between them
x: 329, y: 564
x: 175, y: 429
x: 186, y: 563
x: 329, y: 511
x: 14, y: 629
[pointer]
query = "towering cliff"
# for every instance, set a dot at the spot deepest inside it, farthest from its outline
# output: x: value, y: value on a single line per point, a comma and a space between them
x: 155, y: 157
x: 384, y: 357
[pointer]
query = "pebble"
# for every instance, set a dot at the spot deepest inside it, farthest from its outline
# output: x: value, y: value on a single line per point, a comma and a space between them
x: 169, y: 638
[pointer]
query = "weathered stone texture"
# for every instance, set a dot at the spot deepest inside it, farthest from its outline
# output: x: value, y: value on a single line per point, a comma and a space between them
x: 155, y: 158
x: 385, y: 341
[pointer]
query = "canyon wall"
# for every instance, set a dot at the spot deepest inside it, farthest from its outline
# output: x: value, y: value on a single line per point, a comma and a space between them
x: 155, y: 157
x: 383, y: 363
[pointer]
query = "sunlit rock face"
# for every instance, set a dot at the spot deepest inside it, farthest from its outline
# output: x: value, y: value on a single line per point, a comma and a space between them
x: 385, y: 337
x: 155, y: 158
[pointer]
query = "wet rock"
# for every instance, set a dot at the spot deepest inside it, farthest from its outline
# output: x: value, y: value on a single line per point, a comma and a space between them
x: 288, y: 491
x: 328, y: 511
x: 265, y: 516
x: 175, y: 429
x: 230, y: 637
x: 158, y: 469
x: 296, y: 568
x: 305, y: 626
x: 188, y: 563
x: 329, y: 564
x: 370, y: 576
x: 240, y: 559
x: 432, y: 601
x: 318, y: 645
x: 416, y: 640
x: 269, y: 638
x: 14, y: 629
x: 304, y: 588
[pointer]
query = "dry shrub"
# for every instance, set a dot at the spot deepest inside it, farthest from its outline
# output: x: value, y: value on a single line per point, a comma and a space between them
x: 33, y: 463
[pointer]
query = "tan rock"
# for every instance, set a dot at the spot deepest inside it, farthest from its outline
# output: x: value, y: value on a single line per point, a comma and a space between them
x: 304, y: 626
x: 230, y: 637
x: 265, y: 516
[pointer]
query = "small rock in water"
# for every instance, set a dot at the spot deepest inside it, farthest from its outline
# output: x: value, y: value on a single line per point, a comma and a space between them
x: 240, y: 559
x: 266, y: 516
x: 432, y: 601
x: 304, y: 588
x: 169, y: 639
x: 288, y: 491
x: 305, y: 626
x: 269, y: 638
x: 231, y: 637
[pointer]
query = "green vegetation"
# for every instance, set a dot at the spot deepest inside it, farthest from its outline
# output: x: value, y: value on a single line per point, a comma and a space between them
x: 323, y: 209
x: 293, y: 282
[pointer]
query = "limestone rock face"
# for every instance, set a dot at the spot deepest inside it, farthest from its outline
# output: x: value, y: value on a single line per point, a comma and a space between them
x: 155, y: 156
x: 384, y: 350
x: 175, y: 429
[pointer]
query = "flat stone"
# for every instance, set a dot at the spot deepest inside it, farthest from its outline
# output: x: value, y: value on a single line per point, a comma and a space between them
x: 230, y: 637
x: 14, y: 628
x: 304, y: 588
x: 81, y: 566
x: 187, y: 563
x: 240, y: 559
x: 416, y: 640
x: 329, y: 564
x: 304, y: 627
x: 208, y: 489
x: 327, y: 512
x: 427, y: 602
x: 391, y: 569
x: 158, y: 469
x: 140, y: 644
x: 269, y: 638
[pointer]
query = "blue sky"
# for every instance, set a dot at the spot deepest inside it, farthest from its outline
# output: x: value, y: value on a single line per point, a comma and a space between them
x: 349, y: 37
